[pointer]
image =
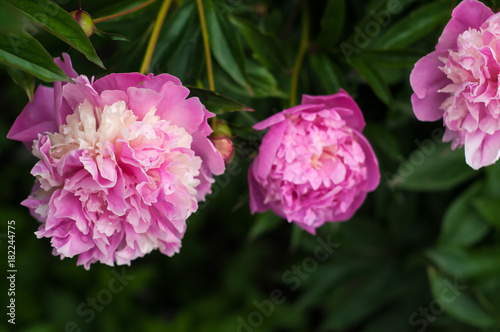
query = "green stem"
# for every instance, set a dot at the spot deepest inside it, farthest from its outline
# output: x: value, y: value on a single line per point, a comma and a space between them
x: 206, y: 45
x: 154, y: 36
x: 123, y: 13
x: 304, y: 44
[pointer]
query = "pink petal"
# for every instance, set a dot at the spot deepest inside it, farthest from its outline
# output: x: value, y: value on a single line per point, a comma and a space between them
x: 343, y: 104
x: 121, y: 81
x: 426, y: 79
x: 205, y: 149
x: 36, y: 118
x: 75, y: 94
x: 371, y: 161
x: 468, y: 14
x: 66, y: 65
x: 186, y: 113
x: 156, y: 83
x: 271, y: 142
x: 256, y: 195
x: 141, y: 100
x: 482, y: 149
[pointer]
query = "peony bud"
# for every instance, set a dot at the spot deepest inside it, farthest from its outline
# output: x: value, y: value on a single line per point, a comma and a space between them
x: 221, y: 138
x: 85, y: 21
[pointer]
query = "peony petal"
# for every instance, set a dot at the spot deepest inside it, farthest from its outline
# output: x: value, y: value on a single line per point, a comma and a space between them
x: 121, y: 81
x: 36, y: 118
x: 205, y: 149
x: 182, y: 112
x: 66, y: 65
x: 373, y: 176
x: 271, y: 142
x: 76, y: 94
x: 156, y: 83
x: 468, y: 14
x: 428, y: 108
x: 343, y: 104
x: 482, y: 149
x: 141, y: 100
x: 426, y: 78
x: 256, y: 196
x: 270, y: 121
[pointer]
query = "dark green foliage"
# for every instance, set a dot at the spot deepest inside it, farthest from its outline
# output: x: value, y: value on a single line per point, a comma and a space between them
x: 422, y: 254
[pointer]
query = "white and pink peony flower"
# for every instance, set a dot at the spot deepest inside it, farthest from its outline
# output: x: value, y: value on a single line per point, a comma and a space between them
x: 459, y: 82
x: 123, y: 163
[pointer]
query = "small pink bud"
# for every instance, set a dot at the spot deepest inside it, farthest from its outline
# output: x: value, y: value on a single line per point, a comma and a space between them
x: 225, y: 147
x: 85, y: 21
x: 221, y: 137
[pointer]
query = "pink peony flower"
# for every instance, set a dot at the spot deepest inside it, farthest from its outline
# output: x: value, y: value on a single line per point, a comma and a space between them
x: 314, y: 165
x: 459, y: 82
x: 123, y: 162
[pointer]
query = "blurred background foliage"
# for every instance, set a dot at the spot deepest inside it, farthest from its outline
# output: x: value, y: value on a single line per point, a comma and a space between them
x: 422, y: 254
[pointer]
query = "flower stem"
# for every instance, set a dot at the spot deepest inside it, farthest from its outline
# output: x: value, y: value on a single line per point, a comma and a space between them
x: 123, y: 13
x: 206, y: 45
x: 154, y: 36
x: 304, y: 44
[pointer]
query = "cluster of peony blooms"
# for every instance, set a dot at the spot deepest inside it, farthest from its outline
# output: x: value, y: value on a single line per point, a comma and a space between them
x: 124, y: 161
x: 459, y: 82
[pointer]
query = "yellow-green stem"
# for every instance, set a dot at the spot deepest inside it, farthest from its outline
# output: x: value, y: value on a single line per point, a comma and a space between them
x: 123, y: 13
x: 206, y: 45
x: 304, y: 43
x: 154, y: 36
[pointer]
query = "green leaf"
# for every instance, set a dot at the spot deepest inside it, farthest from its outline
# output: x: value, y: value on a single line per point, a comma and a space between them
x: 374, y: 79
x: 355, y: 307
x: 456, y: 302
x: 493, y: 179
x: 264, y: 46
x: 262, y: 82
x: 59, y: 23
x: 297, y: 237
x: 25, y: 53
x: 325, y: 71
x: 317, y: 288
x: 110, y: 36
x: 24, y: 80
x: 462, y: 226
x: 484, y: 262
x: 225, y: 46
x: 400, y: 58
x: 416, y: 25
x: 382, y: 138
x: 264, y: 222
x: 217, y: 103
x: 489, y: 209
x: 186, y: 61
x: 332, y: 22
x: 173, y: 34
x: 434, y: 166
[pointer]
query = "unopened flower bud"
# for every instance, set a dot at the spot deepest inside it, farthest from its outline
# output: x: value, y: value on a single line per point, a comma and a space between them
x: 221, y: 138
x: 85, y: 21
